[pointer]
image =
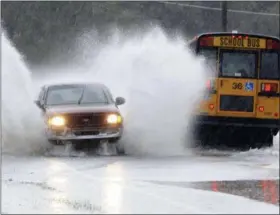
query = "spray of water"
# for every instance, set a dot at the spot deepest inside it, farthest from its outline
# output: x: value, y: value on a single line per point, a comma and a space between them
x: 160, y: 79
x: 21, y: 124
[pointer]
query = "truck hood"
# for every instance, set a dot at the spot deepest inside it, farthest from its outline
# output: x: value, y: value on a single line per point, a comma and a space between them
x: 97, y: 108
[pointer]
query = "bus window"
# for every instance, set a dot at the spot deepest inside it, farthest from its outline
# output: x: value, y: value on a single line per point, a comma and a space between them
x: 208, y: 53
x: 270, y: 66
x: 238, y: 64
x: 211, y: 58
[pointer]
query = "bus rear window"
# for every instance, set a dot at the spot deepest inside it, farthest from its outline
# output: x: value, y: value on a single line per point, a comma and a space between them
x: 269, y: 66
x: 238, y: 64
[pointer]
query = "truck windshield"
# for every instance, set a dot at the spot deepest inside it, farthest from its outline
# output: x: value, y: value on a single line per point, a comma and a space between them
x: 75, y: 94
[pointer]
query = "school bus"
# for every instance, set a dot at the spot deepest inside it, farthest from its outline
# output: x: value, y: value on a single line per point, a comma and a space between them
x: 242, y: 104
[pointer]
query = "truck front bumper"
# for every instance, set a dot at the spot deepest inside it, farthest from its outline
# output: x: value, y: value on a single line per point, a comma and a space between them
x: 83, y: 134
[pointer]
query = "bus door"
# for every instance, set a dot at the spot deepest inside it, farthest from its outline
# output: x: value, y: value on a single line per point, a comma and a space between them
x: 237, y: 82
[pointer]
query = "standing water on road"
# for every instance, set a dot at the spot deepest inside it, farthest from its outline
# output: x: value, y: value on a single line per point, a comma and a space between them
x: 21, y: 124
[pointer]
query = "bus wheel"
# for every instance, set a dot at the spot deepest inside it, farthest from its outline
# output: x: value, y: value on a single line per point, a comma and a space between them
x: 274, y: 131
x: 227, y: 137
x: 201, y: 136
x: 211, y: 137
x: 243, y: 138
x: 264, y: 138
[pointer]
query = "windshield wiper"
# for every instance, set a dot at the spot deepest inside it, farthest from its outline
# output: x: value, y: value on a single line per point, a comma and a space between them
x: 82, y: 95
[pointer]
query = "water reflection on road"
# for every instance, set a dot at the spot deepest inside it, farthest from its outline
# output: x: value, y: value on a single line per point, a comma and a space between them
x: 261, y: 190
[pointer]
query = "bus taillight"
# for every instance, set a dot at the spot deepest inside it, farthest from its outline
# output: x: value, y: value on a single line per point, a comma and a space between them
x: 210, y: 85
x: 269, y: 87
x: 211, y: 106
x: 272, y: 44
x: 261, y: 108
x: 206, y: 41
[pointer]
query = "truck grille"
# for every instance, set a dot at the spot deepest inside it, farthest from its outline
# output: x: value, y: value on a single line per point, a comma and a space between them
x: 93, y: 120
x: 237, y: 103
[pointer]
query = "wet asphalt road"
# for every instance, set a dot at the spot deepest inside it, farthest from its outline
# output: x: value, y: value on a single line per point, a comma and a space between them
x: 47, y: 173
x: 260, y: 190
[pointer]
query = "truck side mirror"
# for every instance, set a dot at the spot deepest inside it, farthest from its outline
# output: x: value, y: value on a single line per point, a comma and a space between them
x: 39, y: 105
x: 120, y: 101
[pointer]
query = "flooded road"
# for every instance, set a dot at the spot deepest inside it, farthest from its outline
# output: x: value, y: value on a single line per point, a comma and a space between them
x: 260, y: 190
x: 98, y: 185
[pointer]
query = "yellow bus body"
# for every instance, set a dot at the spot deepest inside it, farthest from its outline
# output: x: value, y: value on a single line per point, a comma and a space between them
x: 265, y: 111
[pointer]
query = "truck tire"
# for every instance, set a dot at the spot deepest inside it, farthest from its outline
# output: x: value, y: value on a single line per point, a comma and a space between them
x: 120, y: 148
x: 53, y: 142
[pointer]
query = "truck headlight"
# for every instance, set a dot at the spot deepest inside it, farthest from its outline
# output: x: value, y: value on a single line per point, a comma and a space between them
x: 57, y: 121
x: 114, y: 119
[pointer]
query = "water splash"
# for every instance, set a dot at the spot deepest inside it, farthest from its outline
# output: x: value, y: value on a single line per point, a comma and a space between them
x: 160, y: 79
x: 21, y: 123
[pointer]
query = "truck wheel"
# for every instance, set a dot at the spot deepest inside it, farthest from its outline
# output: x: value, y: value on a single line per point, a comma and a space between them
x: 52, y: 142
x: 120, y: 148
x: 78, y: 145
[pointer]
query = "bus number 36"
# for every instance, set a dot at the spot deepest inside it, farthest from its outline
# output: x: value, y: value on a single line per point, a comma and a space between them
x: 236, y: 86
